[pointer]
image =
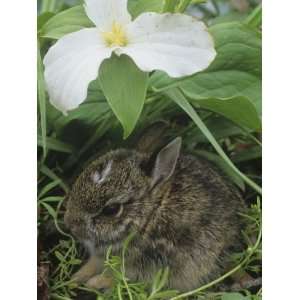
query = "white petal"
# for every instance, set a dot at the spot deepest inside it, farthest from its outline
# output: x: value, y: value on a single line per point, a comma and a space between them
x: 71, y: 64
x: 105, y: 12
x: 177, y: 44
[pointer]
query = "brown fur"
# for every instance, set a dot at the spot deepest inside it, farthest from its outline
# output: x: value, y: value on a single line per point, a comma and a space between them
x: 188, y: 221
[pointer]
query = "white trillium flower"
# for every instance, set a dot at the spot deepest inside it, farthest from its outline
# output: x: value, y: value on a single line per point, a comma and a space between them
x: 175, y: 43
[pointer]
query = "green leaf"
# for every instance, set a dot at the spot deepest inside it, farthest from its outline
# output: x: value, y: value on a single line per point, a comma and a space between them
x: 52, y: 199
x: 159, y: 281
x: 179, y: 98
x: 81, y: 122
x: 238, y: 48
x: 164, y: 295
x: 232, y: 16
x: 48, y: 5
x: 223, y: 85
x: 67, y: 21
x: 75, y: 261
x: 247, y: 154
x: 219, y: 126
x: 56, y: 145
x: 156, y: 280
x: 42, y: 101
x: 255, y: 18
x: 164, y: 278
x: 234, y: 296
x: 124, y: 86
x: 170, y: 5
x: 183, y: 5
x: 137, y: 7
x: 50, y: 210
x: 236, y: 71
x: 48, y: 188
x: 238, y: 109
x: 59, y: 256
x: 49, y: 173
x: 43, y: 18
x: 83, y: 126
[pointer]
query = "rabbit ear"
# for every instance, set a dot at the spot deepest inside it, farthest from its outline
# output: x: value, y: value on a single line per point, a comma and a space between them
x: 166, y: 161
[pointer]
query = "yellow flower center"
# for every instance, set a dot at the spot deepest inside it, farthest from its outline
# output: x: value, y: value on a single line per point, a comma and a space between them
x: 115, y: 37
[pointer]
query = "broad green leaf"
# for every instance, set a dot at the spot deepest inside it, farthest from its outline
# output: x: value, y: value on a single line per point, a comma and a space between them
x: 124, y: 86
x: 232, y: 16
x: 67, y: 21
x: 238, y: 109
x: 43, y: 19
x: 224, y: 84
x: 179, y: 98
x: 89, y: 114
x: 236, y: 71
x: 140, y: 6
x: 238, y: 48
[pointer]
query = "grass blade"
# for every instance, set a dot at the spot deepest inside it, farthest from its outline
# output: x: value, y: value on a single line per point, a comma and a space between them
x: 49, y: 173
x: 255, y: 18
x: 56, y: 145
x: 42, y: 101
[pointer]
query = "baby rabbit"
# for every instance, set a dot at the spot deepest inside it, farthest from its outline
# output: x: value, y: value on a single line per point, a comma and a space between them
x: 185, y: 215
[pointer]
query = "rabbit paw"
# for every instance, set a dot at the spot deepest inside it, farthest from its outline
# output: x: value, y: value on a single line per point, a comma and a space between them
x: 100, y: 282
x: 81, y: 276
x: 87, y: 271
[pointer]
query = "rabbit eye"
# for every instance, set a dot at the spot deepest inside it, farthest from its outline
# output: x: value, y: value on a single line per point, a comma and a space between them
x: 112, y: 210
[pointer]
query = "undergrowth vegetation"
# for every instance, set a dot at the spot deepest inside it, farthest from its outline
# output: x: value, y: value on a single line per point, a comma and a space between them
x: 218, y: 114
